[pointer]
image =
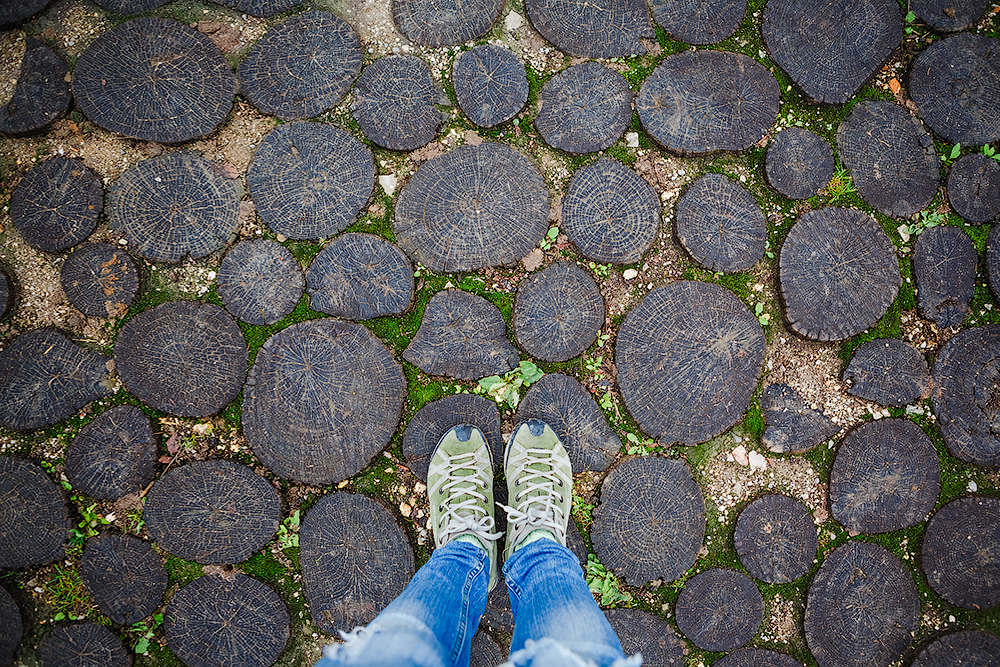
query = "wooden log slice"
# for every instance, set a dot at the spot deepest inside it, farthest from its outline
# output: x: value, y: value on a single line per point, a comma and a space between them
x: 704, y: 101
x: 891, y: 158
x: 445, y: 22
x: 721, y: 225
x: 491, y: 84
x: 862, y: 608
x: 776, y: 539
x: 485, y: 652
x: 235, y: 620
x: 310, y: 180
x: 100, y: 280
x: 260, y: 282
x: 57, y: 204
x: 302, y: 66
x: 798, y: 163
x: 426, y: 428
x: 961, y: 552
x: 689, y: 357
x: 45, y: 378
x: 129, y: 7
x: 260, y: 8
x: 974, y: 187
x: 699, y: 21
x: 355, y: 560
x: 944, y: 264
x: 600, y: 29
x: 949, y: 15
x: 473, y: 207
x: 113, y: 455
x: 82, y: 645
x: 42, y: 93
x: 498, y: 617
x: 610, y: 212
x: 462, y: 335
x: 584, y: 108
x: 15, y: 12
x: 993, y: 258
x: 757, y: 657
x: 212, y: 512
x: 158, y: 352
x: 558, y: 312
x: 35, y: 523
x: 651, y: 520
x: 11, y: 628
x: 360, y: 276
x: 125, y: 576
x: 887, y: 371
x: 830, y: 49
x: 7, y: 294
x: 955, y: 84
x: 648, y: 634
x: 966, y: 398
x: 564, y: 404
x: 968, y: 648
x: 719, y: 610
x: 154, y: 79
x: 395, y: 103
x: 174, y: 205
x: 838, y: 272
x: 322, y: 400
x: 793, y: 426
x: 886, y: 477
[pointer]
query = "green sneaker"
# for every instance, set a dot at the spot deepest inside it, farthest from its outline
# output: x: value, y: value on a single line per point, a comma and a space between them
x: 460, y: 490
x: 539, y: 486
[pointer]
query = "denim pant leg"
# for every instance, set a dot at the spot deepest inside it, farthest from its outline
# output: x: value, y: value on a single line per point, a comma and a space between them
x: 432, y: 621
x: 556, y: 621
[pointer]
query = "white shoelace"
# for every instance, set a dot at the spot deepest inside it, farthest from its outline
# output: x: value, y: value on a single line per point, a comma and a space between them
x: 541, y: 512
x: 459, y: 516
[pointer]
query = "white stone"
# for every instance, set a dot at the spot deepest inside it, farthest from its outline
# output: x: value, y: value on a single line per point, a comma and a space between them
x: 973, y: 487
x: 630, y: 274
x: 512, y: 21
x: 388, y: 183
x: 757, y: 461
x: 633, y: 139
x: 740, y: 455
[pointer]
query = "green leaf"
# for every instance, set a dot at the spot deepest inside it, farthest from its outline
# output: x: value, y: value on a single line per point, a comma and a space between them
x: 59, y: 616
x: 956, y: 151
x: 910, y: 17
x: 632, y: 437
x: 758, y: 309
x: 490, y: 382
x: 553, y: 233
x: 142, y: 645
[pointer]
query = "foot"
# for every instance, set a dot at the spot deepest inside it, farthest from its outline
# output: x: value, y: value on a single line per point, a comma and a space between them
x: 539, y: 486
x: 460, y: 490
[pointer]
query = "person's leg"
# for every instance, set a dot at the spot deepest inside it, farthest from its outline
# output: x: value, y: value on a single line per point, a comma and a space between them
x: 432, y: 622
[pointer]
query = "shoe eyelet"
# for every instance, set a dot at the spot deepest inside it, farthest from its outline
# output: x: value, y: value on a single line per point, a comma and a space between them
x: 440, y: 508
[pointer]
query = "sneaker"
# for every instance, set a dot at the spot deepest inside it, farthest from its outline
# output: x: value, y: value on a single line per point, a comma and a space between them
x: 539, y: 486
x: 460, y: 490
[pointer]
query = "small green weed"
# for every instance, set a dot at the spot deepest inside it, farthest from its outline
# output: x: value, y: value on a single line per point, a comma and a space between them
x: 69, y: 596
x: 506, y: 389
x: 288, y: 531
x: 607, y: 401
x: 602, y: 271
x: 640, y: 446
x: 146, y: 631
x: 135, y: 521
x: 603, y: 339
x: 550, y: 238
x: 762, y: 317
x: 582, y: 511
x: 605, y: 584
x: 90, y: 522
x: 990, y: 152
x: 840, y: 186
x: 925, y: 220
x: 952, y: 155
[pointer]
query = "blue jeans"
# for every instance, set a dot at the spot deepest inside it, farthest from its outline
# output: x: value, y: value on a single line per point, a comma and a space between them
x: 431, y: 623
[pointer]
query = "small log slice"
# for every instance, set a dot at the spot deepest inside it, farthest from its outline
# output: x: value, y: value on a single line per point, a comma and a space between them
x: 360, y: 276
x: 11, y: 628
x: 699, y: 21
x: 776, y: 539
x: 154, y: 79
x: 838, y: 272
x: 322, y: 400
x: 125, y: 576
x: 584, y: 108
x: 445, y: 22
x: 688, y: 356
x: 993, y: 258
x: 950, y: 15
x: 158, y: 353
x: 212, y: 512
x: 648, y: 634
x: 35, y: 523
x: 15, y: 12
x: 42, y: 93
x: 260, y: 8
x: 395, y: 103
x: 564, y: 404
x: 756, y: 657
x: 310, y: 180
x: 355, y: 560
x: 974, y: 187
x: 891, y: 158
x: 462, y: 335
x: 719, y: 610
x: 886, y: 477
x: 887, y: 371
x: 260, y: 282
x: 7, y: 294
x: 601, y: 29
x: 799, y: 163
x: 955, y: 84
x: 100, y: 280
x: 233, y: 620
x: 610, y: 212
x: 704, y: 101
x: 558, y: 312
x: 651, y: 520
x: 721, y: 225
x: 485, y: 652
x: 129, y: 7
x: 793, y: 426
x: 862, y: 608
x: 113, y: 455
x: 961, y: 552
x: 425, y: 429
x: 83, y: 645
x: 491, y: 84
x: 944, y: 263
x: 57, y: 204
x: 969, y: 648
